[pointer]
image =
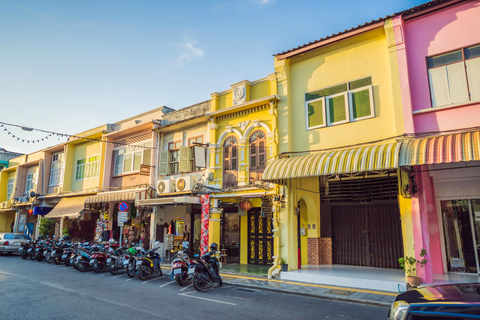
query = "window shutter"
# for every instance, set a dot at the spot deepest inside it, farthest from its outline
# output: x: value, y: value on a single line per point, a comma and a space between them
x: 473, y: 73
x: 361, y: 104
x: 147, y: 157
x: 163, y: 163
x: 439, y: 86
x: 315, y: 113
x: 184, y: 159
x: 457, y: 82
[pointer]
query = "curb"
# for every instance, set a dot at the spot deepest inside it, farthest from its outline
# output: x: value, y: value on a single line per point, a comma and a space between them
x: 318, y: 296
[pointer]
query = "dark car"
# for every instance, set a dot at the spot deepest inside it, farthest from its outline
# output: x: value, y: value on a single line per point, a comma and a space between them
x: 444, y: 301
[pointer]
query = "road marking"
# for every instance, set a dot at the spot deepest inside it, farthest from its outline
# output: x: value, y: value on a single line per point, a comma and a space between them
x: 118, y: 276
x: 103, y: 274
x: 203, y: 298
x: 151, y: 280
x: 166, y: 284
x: 183, y: 289
x: 315, y: 285
x: 129, y: 279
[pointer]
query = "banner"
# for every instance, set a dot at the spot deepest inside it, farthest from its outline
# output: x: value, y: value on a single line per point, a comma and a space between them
x: 205, y: 201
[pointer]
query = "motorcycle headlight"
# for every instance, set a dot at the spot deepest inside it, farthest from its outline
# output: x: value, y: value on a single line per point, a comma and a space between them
x: 399, y: 310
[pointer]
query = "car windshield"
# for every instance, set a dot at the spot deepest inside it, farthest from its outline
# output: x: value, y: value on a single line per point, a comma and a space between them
x: 20, y: 236
x: 14, y: 236
x: 8, y: 236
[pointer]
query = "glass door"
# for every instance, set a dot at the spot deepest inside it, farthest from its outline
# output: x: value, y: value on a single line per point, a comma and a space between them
x: 462, y: 232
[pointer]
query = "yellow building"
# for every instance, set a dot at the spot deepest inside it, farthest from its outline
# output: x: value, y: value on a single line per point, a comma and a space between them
x: 243, y: 139
x: 340, y: 131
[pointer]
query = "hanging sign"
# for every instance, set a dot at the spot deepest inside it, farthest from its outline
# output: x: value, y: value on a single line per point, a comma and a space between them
x: 267, y: 205
x: 205, y: 202
x: 122, y: 217
x: 122, y: 206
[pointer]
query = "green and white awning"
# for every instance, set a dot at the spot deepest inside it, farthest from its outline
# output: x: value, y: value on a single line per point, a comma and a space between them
x: 362, y: 159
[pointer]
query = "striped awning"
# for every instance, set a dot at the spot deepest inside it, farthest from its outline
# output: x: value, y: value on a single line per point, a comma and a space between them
x: 457, y: 147
x: 362, y: 159
x: 118, y: 196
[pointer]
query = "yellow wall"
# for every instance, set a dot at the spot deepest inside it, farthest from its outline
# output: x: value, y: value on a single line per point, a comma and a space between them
x: 362, y: 56
x: 6, y: 219
x: 82, y: 151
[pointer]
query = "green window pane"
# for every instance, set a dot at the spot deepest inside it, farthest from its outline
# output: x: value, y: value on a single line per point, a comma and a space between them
x: 336, y: 89
x: 361, y: 104
x: 360, y: 83
x: 314, y: 95
x: 445, y: 59
x: 336, y: 108
x: 472, y: 52
x: 315, y: 114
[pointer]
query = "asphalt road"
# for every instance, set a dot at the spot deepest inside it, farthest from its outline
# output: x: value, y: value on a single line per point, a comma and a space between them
x: 38, y: 290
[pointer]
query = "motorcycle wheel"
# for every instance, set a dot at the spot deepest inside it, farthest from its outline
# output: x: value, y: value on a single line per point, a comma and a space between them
x: 32, y: 255
x: 39, y: 257
x: 179, y: 280
x: 24, y: 254
x: 81, y: 267
x: 57, y: 260
x: 160, y: 272
x: 131, y: 270
x: 49, y: 257
x: 219, y: 281
x: 67, y: 262
x: 197, y: 281
x: 142, y: 273
x: 97, y: 267
x: 113, y: 268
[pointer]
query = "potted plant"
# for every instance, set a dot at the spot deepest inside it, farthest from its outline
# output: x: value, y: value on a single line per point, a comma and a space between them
x: 283, y: 265
x: 411, y: 265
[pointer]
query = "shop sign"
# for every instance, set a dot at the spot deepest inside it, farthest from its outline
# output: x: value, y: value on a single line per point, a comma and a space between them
x: 105, y: 216
x: 205, y: 201
x: 267, y: 205
x: 144, y: 170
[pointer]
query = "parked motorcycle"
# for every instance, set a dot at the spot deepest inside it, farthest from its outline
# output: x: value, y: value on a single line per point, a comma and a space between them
x: 149, y: 264
x: 24, y: 249
x: 207, y: 270
x: 99, y: 258
x: 182, y: 269
x: 134, y: 255
x: 117, y: 258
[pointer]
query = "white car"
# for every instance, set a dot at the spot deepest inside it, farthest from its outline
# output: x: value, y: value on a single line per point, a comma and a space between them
x: 11, y: 242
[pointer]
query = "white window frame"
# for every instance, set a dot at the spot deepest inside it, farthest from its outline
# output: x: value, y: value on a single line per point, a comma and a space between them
x: 140, y: 150
x: 347, y: 109
x: 10, y: 184
x: 350, y: 103
x: 30, y: 183
x: 91, y: 169
x: 56, y: 171
x: 323, y: 114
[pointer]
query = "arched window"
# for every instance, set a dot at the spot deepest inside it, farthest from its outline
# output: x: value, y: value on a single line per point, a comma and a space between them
x: 230, y: 162
x: 258, y: 155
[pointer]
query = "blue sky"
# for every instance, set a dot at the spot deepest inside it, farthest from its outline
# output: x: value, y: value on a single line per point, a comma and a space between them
x: 68, y: 66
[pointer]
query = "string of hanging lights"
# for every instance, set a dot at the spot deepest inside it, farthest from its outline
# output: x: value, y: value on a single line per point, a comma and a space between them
x: 50, y: 134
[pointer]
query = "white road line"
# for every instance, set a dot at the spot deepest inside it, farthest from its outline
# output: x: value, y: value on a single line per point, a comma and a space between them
x: 183, y: 289
x: 151, y: 280
x: 202, y: 298
x: 118, y: 276
x: 129, y: 279
x: 166, y: 284
x: 103, y: 274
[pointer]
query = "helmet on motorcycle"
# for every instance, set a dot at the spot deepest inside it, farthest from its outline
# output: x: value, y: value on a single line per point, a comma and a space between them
x: 214, y: 247
x: 111, y: 241
x: 185, y: 245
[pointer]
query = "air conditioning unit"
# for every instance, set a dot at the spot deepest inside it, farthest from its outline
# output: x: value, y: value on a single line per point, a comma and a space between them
x: 57, y: 190
x: 165, y: 186
x: 23, y: 199
x: 185, y: 183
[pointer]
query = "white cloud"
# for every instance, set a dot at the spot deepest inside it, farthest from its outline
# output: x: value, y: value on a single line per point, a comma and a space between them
x: 263, y: 2
x: 190, y: 52
x: 36, y: 13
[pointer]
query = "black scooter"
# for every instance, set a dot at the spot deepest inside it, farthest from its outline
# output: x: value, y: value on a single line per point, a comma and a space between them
x: 207, y: 270
x: 149, y: 264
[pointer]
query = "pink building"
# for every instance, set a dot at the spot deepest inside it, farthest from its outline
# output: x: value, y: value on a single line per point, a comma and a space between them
x: 440, y: 48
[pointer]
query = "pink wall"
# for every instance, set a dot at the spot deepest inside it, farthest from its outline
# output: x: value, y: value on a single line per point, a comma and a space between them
x: 433, y: 34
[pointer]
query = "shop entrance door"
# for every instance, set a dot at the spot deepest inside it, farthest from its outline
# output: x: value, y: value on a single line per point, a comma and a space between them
x: 367, y: 235
x: 260, y: 238
x: 461, y: 226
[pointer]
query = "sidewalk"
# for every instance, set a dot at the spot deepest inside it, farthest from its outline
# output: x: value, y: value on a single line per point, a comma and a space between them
x: 255, y: 278
x: 377, y: 298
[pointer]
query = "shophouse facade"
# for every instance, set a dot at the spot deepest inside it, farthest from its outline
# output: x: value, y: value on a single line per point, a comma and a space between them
x: 340, y: 130
x: 243, y: 139
x: 441, y: 99
x: 180, y: 141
